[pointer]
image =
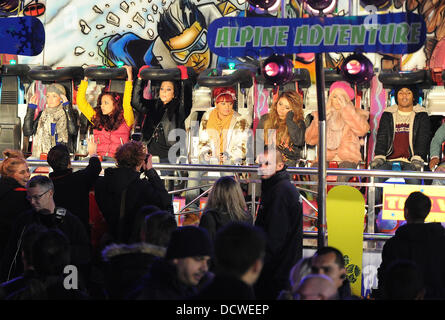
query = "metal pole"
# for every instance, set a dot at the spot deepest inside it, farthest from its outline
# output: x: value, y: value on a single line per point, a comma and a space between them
x: 321, y: 199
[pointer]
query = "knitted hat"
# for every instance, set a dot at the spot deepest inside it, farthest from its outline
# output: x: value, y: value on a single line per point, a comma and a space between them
x: 189, y: 241
x: 56, y: 88
x: 343, y: 85
x: 412, y: 88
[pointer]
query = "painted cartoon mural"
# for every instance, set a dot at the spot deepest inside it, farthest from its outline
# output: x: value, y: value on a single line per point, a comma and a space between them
x: 168, y: 33
x: 159, y: 33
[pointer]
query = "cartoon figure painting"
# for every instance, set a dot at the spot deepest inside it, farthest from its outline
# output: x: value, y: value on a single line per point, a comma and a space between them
x: 181, y: 40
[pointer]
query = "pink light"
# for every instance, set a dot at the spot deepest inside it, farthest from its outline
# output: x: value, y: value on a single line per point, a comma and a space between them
x: 272, y: 69
x: 353, y: 67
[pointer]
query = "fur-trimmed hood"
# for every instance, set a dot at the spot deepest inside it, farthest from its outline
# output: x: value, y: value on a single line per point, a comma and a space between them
x: 114, y: 250
x: 393, y: 109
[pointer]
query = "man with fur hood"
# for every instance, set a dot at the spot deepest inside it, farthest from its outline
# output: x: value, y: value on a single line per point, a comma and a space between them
x: 126, y: 264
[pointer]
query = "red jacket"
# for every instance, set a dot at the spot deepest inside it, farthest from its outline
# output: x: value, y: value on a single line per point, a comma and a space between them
x: 109, y: 141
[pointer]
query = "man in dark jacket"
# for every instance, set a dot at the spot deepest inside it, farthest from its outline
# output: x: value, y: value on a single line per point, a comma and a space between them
x: 420, y: 242
x: 124, y: 183
x: 281, y: 216
x: 184, y: 268
x: 239, y: 253
x: 40, y: 192
x: 404, y: 135
x: 71, y: 189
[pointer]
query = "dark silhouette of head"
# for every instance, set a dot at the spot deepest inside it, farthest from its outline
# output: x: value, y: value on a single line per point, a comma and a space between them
x: 237, y: 247
x: 59, y: 157
x: 417, y: 207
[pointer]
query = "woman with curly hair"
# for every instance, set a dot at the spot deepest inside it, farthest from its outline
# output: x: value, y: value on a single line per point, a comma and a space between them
x: 125, y: 184
x: 15, y: 174
x: 286, y: 117
x: 112, y: 118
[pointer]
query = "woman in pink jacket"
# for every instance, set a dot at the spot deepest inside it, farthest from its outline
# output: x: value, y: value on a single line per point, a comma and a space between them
x: 112, y: 118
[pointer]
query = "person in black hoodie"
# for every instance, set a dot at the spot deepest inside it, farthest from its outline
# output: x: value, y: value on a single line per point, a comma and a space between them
x: 280, y: 214
x: 71, y: 189
x: 14, y: 172
x: 159, y: 117
x: 239, y: 253
x: 125, y: 183
x: 420, y: 242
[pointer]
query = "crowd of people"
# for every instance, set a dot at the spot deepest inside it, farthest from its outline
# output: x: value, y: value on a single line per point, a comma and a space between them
x: 140, y: 253
x: 144, y: 255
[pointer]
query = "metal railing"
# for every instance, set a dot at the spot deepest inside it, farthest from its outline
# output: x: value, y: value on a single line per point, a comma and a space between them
x: 301, y: 171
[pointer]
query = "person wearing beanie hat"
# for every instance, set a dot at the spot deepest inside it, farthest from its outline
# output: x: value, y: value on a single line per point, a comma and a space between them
x: 346, y: 126
x: 403, y: 136
x: 189, y: 241
x: 183, y: 270
x: 55, y: 124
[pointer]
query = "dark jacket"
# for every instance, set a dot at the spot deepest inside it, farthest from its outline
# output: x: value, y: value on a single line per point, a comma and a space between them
x: 30, y: 124
x: 423, y: 244
x: 11, y: 286
x: 224, y: 287
x: 125, y: 266
x: 158, y: 117
x: 12, y: 203
x: 212, y: 220
x: 280, y: 215
x: 420, y: 135
x: 70, y: 225
x: 139, y: 193
x: 46, y: 288
x: 72, y: 189
x: 296, y: 135
x: 162, y: 283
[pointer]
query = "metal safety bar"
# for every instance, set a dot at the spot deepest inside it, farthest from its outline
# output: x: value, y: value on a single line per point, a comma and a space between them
x: 372, y: 173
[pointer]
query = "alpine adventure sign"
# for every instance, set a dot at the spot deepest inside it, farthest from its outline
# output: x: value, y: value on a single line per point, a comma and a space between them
x: 396, y: 33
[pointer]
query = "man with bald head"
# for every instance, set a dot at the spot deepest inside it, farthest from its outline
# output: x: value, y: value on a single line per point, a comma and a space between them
x: 280, y: 215
x: 316, y: 287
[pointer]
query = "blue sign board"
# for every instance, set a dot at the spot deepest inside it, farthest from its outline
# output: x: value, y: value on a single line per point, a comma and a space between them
x: 396, y: 33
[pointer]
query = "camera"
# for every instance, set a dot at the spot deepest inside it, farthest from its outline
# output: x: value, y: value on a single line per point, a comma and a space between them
x: 137, y: 136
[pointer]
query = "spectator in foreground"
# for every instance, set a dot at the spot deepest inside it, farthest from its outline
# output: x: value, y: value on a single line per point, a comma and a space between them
x: 226, y: 203
x: 182, y: 271
x: 239, y: 253
x: 420, y: 242
x: 126, y: 264
x: 121, y: 192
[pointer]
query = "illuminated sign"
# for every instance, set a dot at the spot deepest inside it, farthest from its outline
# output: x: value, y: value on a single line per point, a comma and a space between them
x: 395, y: 33
x: 394, y: 197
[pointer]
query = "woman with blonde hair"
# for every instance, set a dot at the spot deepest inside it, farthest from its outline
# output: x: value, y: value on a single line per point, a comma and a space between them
x: 225, y: 204
x: 286, y: 117
x: 14, y: 172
